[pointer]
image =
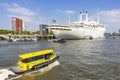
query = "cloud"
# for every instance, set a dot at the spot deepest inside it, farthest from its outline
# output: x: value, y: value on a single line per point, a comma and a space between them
x: 4, y: 5
x: 25, y: 18
x: 66, y: 11
x: 27, y: 15
x: 15, y: 8
x: 111, y: 18
x: 70, y: 12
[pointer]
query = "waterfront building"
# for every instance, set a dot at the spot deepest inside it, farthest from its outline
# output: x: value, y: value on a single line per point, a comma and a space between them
x: 43, y: 29
x: 17, y: 24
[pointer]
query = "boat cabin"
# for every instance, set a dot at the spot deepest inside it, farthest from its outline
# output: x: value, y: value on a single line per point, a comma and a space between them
x: 36, y: 59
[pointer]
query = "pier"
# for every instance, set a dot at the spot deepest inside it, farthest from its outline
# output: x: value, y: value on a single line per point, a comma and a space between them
x: 26, y: 37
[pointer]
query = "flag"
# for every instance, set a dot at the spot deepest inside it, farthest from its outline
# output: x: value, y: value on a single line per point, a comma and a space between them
x: 53, y: 20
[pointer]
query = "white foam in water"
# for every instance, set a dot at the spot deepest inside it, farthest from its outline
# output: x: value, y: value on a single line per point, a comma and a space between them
x: 50, y: 66
x: 47, y: 68
x: 4, y: 74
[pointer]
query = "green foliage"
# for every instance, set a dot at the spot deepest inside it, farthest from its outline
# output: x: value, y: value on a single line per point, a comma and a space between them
x: 25, y: 32
x: 6, y: 32
x: 51, y: 33
x: 37, y: 32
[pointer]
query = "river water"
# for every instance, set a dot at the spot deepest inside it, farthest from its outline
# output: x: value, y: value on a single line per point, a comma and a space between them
x: 79, y: 59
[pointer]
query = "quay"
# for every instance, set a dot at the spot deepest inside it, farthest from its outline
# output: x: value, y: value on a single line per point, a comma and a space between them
x: 26, y: 37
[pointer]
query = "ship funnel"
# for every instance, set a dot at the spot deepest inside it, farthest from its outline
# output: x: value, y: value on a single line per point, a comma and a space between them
x: 80, y: 17
x: 86, y: 14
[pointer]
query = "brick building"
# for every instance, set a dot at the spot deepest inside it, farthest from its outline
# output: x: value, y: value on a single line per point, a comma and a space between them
x: 17, y: 24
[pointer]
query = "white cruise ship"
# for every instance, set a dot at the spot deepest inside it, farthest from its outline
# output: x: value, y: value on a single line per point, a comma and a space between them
x: 80, y: 29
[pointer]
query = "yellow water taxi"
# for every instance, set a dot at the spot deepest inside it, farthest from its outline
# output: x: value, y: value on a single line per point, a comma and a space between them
x: 34, y: 60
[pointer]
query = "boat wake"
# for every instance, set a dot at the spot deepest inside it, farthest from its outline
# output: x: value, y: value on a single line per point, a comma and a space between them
x: 45, y: 69
x: 4, y: 73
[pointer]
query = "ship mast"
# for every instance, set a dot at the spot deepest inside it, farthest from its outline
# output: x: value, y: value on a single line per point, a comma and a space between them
x: 69, y: 20
x: 78, y: 18
x: 98, y: 20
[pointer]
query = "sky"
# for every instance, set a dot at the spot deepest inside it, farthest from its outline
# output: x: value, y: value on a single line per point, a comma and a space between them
x: 35, y: 12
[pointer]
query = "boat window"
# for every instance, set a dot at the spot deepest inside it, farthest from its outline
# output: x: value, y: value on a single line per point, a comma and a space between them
x: 47, y: 56
x: 50, y: 54
x: 36, y: 58
x: 33, y: 59
x: 25, y: 60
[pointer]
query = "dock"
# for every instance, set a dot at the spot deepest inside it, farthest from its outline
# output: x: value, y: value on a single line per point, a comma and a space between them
x: 26, y: 37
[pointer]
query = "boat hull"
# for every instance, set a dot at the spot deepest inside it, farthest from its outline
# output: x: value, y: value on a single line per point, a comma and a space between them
x: 80, y: 33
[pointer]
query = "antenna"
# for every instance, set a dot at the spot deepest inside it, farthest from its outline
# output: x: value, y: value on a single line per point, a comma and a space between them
x: 78, y: 18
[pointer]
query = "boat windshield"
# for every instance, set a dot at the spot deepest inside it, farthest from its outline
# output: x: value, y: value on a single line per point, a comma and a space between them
x: 25, y: 60
x: 47, y: 56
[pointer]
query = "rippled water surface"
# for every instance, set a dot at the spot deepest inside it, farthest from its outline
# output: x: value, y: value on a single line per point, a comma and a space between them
x: 79, y: 59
